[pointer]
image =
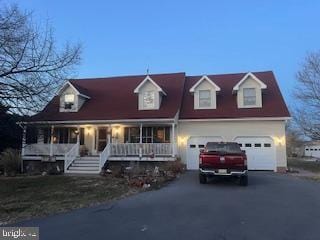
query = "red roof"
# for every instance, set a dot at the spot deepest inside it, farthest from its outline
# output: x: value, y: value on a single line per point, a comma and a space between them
x: 273, y: 104
x: 113, y: 99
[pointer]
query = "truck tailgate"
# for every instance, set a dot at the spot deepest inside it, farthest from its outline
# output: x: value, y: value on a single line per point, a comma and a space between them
x: 217, y: 161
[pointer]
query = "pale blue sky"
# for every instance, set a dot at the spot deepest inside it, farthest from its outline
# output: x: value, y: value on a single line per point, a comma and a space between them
x: 198, y: 37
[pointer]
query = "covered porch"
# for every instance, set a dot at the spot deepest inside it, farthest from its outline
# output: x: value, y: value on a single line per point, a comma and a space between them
x: 135, y: 141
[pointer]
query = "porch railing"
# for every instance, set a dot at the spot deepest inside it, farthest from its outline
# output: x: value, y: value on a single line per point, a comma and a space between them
x: 70, y: 156
x: 43, y: 149
x: 137, y: 149
x: 104, y: 155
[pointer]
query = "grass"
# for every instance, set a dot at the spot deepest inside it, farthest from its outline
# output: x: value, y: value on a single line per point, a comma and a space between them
x: 27, y: 197
x: 305, y: 165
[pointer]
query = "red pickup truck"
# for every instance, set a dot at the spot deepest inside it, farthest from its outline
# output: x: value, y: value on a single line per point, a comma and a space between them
x: 223, y: 159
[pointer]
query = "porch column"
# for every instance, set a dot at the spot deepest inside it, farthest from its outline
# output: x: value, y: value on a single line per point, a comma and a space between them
x: 140, y: 148
x: 140, y: 132
x: 173, y: 140
x: 78, y: 140
x: 109, y: 136
x: 51, y: 140
x: 24, y: 132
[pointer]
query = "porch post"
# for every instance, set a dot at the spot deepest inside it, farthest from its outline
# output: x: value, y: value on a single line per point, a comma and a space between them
x: 51, y: 140
x: 78, y: 140
x: 140, y: 132
x: 140, y: 148
x: 173, y: 140
x: 24, y: 131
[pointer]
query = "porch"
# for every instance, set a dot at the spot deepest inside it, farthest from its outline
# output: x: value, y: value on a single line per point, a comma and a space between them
x: 91, y: 146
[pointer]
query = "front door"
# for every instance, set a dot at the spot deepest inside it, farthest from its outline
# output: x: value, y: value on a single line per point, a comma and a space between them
x: 102, y: 138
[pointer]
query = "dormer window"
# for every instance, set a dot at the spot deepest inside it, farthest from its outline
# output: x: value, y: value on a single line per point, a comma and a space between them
x: 69, y: 101
x: 205, y: 93
x: 72, y: 97
x: 150, y: 94
x: 204, y: 98
x: 149, y: 100
x: 249, y: 97
x: 249, y: 91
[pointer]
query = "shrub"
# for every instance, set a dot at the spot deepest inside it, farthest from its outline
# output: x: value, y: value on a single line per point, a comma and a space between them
x: 10, y: 161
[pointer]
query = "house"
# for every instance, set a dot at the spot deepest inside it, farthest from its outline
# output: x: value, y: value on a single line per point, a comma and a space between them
x: 158, y: 117
x: 312, y: 149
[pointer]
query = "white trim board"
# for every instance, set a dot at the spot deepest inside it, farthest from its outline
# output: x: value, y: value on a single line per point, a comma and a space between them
x: 73, y: 87
x: 236, y: 119
x: 204, y: 78
x: 249, y: 74
x: 148, y: 78
x: 169, y: 120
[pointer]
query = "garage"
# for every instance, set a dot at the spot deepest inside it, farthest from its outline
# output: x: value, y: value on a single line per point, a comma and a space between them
x: 194, y: 145
x: 260, y: 152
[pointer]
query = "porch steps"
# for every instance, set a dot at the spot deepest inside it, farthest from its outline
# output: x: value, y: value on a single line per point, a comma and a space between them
x: 84, y: 165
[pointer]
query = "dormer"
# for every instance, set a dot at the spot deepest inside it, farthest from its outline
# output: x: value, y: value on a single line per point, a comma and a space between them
x: 71, y: 98
x: 205, y: 93
x: 149, y: 94
x: 249, y: 91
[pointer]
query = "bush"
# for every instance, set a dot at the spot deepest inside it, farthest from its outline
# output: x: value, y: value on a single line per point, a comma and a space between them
x: 10, y: 161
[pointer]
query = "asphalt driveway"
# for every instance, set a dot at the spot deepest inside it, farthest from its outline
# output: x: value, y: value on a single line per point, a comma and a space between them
x: 273, y: 206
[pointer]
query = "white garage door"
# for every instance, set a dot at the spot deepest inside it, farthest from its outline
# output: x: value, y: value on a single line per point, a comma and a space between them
x: 260, y: 152
x: 194, y: 145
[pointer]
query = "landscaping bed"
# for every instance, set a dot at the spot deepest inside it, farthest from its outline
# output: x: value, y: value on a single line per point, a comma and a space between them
x: 24, y: 197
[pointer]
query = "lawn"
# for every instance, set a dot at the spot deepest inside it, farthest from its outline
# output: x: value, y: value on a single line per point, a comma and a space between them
x: 298, y: 163
x: 27, y: 197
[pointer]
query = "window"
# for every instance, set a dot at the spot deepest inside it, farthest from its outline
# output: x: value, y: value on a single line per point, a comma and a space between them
x: 201, y: 146
x: 257, y: 144
x: 204, y: 98
x: 249, y: 96
x: 148, y: 100
x: 247, y: 145
x: 132, y: 135
x: 240, y: 144
x: 68, y: 101
x: 267, y: 145
x: 31, y: 135
x: 192, y: 146
x: 147, y: 134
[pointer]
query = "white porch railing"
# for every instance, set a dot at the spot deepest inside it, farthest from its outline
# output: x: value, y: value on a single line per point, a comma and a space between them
x: 70, y: 156
x: 40, y: 149
x: 137, y: 149
x: 104, y: 155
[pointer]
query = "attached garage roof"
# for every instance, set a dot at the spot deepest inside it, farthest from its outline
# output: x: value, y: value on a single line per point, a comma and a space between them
x: 273, y: 104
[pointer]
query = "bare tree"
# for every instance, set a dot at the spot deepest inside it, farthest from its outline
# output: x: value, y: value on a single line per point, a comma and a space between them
x: 31, y: 66
x: 306, y: 113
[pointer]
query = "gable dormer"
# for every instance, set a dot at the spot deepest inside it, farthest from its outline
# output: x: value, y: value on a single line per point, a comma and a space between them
x: 71, y: 99
x: 205, y: 93
x: 149, y: 94
x: 249, y: 91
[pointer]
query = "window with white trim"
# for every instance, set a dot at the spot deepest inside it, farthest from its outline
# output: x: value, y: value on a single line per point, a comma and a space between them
x: 149, y: 100
x: 69, y: 101
x: 204, y: 98
x: 249, y: 97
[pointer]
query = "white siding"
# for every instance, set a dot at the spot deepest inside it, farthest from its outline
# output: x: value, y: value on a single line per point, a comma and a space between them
x: 229, y: 130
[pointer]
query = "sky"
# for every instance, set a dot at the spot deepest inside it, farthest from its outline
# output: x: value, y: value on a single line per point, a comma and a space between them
x: 196, y: 37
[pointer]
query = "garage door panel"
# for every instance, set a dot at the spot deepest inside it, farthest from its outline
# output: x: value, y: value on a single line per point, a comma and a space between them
x: 194, y: 145
x: 260, y: 152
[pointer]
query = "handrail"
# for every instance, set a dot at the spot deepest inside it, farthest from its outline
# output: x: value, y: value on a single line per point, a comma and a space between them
x: 137, y: 149
x: 104, y: 155
x: 70, y: 156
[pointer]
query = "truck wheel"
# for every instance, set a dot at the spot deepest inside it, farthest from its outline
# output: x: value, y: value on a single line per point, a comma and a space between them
x: 202, y: 179
x: 244, y: 181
